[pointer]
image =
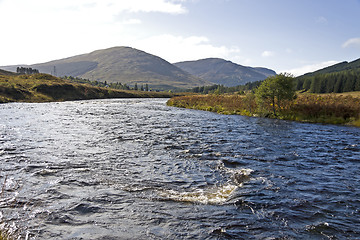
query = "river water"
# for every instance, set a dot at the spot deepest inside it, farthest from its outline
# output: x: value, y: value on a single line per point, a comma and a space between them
x: 138, y: 169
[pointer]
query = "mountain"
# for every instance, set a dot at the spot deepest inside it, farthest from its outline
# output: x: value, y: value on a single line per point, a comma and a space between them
x: 220, y: 71
x: 338, y: 78
x: 121, y: 64
x: 343, y: 66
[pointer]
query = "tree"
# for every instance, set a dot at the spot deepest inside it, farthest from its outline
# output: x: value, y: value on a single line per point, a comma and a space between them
x: 23, y: 70
x: 349, y: 83
x: 307, y: 84
x: 316, y: 84
x: 338, y: 88
x: 274, y: 91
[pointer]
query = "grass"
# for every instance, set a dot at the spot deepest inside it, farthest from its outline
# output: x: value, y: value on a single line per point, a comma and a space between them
x: 46, y: 88
x: 325, y: 108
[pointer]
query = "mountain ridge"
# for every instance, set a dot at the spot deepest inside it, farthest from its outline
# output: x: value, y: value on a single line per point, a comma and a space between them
x: 224, y: 72
x: 338, y: 78
x: 121, y: 64
x: 342, y: 66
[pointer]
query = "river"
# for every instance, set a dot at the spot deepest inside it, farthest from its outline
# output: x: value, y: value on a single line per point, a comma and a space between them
x: 138, y: 169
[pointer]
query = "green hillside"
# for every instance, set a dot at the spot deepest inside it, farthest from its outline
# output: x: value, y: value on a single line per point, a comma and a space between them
x: 46, y: 88
x: 343, y: 66
x: 220, y: 71
x: 121, y: 64
x: 341, y: 77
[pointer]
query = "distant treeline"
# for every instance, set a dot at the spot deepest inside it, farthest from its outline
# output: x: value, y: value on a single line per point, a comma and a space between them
x: 219, y: 89
x: 116, y: 85
x: 23, y: 70
x: 97, y: 83
x: 337, y: 82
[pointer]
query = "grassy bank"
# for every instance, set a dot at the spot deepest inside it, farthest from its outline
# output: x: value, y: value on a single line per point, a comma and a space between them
x: 47, y: 88
x: 325, y: 108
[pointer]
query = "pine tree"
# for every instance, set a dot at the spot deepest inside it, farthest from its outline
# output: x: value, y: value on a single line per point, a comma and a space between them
x: 338, y: 88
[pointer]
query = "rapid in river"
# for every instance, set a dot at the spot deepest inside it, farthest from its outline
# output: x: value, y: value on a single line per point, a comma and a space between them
x: 138, y: 169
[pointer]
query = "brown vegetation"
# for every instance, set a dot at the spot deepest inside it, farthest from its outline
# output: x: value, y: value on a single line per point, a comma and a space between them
x: 322, y: 108
x: 46, y: 88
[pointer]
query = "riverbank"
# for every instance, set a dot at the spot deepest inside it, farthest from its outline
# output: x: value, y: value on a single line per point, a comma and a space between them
x: 325, y: 108
x: 47, y: 88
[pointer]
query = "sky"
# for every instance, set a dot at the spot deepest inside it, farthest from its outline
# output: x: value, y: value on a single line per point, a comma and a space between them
x: 294, y: 36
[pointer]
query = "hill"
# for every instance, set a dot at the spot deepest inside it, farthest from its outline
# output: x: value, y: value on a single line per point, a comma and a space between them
x: 220, y: 71
x: 343, y: 66
x: 121, y: 64
x: 7, y: 73
x: 46, y: 88
x: 341, y: 77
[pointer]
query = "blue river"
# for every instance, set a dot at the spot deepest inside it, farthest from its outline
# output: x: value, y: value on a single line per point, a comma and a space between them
x: 138, y: 169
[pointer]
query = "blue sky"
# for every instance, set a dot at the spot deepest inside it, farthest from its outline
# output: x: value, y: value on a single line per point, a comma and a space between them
x: 284, y: 35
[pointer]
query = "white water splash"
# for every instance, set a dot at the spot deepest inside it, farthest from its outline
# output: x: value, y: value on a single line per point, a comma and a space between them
x: 215, y: 195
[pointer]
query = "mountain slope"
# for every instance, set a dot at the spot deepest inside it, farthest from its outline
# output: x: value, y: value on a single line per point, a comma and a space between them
x: 338, y: 78
x: 336, y: 68
x: 224, y: 72
x: 121, y: 64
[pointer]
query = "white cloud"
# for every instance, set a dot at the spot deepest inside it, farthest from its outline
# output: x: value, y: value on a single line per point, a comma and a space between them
x: 135, y: 6
x: 131, y: 21
x: 163, y: 6
x: 179, y: 48
x: 57, y: 29
x: 268, y: 54
x: 310, y: 68
x: 352, y: 42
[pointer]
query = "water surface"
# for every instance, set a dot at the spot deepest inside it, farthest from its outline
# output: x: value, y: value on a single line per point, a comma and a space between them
x: 137, y: 169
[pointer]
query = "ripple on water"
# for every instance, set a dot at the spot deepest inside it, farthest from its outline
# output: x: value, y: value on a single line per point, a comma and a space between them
x: 135, y: 168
